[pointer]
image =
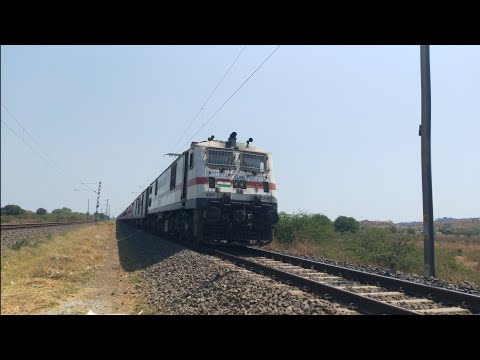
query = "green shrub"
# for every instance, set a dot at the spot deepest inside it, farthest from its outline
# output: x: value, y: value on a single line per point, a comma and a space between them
x: 385, y: 248
x: 303, y: 226
x: 41, y: 211
x: 6, y: 218
x: 12, y: 210
x: 63, y: 210
x: 343, y: 224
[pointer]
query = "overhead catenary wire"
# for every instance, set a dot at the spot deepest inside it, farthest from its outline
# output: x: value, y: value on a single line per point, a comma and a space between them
x: 39, y: 153
x: 26, y: 132
x: 31, y: 148
x: 208, y: 98
x: 226, y: 101
x: 24, y: 129
x: 206, y: 101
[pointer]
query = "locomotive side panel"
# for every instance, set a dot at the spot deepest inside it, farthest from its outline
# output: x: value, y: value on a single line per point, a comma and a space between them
x: 165, y: 194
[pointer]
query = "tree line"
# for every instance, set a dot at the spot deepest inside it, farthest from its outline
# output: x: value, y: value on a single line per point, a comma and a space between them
x: 12, y: 211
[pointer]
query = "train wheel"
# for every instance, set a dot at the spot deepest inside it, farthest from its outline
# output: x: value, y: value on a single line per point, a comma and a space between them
x: 189, y: 228
x: 267, y: 235
x: 197, y: 240
x: 182, y: 233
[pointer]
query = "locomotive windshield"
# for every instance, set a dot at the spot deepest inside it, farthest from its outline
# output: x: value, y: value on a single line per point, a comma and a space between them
x: 253, y: 162
x: 220, y: 158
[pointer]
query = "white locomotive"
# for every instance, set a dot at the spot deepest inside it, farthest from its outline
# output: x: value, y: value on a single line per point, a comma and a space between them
x: 214, y: 192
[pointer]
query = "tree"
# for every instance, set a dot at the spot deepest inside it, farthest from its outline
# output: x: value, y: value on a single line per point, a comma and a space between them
x: 343, y: 224
x: 12, y: 210
x: 63, y: 210
x: 321, y: 219
x: 41, y: 211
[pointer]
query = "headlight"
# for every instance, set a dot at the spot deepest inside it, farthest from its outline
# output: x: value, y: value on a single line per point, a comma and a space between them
x: 239, y: 184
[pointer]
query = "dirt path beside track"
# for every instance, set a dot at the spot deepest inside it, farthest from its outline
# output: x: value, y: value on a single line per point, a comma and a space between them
x: 111, y: 291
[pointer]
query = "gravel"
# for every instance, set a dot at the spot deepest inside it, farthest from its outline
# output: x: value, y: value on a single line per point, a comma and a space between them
x: 176, y: 280
x: 464, y: 286
x: 18, y: 237
x: 193, y: 283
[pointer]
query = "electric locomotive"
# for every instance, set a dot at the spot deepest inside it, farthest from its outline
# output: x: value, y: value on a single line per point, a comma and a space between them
x: 214, y: 192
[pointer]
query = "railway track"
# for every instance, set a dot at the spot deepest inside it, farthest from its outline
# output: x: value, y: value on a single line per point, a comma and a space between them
x: 368, y: 293
x: 34, y: 225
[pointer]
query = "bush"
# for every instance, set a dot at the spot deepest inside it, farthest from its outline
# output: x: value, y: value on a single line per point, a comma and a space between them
x: 411, y: 231
x: 41, y: 211
x: 12, y: 210
x: 382, y: 247
x: 302, y: 226
x: 343, y: 224
x: 63, y: 210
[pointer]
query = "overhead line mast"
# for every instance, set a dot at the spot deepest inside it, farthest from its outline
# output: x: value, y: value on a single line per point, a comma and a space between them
x: 98, y: 199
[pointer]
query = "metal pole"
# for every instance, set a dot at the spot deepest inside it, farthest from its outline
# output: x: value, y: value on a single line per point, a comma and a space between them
x: 98, y: 199
x: 106, y: 209
x: 425, y: 133
x: 88, y: 207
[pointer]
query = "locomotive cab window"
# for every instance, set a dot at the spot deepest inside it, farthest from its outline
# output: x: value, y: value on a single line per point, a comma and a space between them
x: 253, y: 162
x: 191, y: 160
x: 156, y: 187
x: 220, y: 159
x: 173, y: 176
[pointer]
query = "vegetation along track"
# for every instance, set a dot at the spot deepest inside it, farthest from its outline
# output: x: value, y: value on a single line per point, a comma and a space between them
x: 368, y: 293
x: 33, y: 225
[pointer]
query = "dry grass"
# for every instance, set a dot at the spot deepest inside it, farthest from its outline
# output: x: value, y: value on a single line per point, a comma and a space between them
x: 466, y: 255
x: 36, y: 278
x: 457, y: 259
x: 299, y: 247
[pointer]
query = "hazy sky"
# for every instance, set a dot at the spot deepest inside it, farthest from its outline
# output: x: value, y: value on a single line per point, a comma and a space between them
x: 341, y: 122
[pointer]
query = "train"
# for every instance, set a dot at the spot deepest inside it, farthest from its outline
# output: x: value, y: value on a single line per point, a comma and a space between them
x: 215, y: 192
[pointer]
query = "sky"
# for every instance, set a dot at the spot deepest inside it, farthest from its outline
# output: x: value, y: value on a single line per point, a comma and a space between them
x: 341, y: 122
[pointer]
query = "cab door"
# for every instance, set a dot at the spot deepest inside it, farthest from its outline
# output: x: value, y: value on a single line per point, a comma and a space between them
x: 147, y: 199
x: 185, y: 177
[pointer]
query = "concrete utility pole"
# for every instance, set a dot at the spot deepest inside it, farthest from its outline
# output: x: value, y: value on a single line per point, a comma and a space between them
x: 106, y: 209
x: 425, y: 133
x: 98, y: 199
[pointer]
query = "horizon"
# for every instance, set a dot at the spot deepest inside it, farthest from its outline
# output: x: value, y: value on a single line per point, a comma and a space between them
x: 332, y: 219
